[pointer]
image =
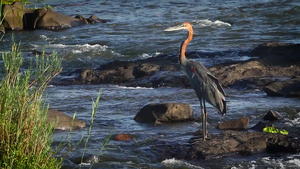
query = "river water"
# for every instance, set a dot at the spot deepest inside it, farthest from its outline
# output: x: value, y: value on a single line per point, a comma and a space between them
x: 135, y: 31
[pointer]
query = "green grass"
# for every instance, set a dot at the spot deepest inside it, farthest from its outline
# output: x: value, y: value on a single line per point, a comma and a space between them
x: 25, y: 135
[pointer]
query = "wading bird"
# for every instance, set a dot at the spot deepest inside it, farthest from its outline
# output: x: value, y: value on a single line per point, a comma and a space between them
x: 201, y: 79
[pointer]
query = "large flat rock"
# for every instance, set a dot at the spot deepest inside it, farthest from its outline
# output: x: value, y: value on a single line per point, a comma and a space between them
x: 228, y: 143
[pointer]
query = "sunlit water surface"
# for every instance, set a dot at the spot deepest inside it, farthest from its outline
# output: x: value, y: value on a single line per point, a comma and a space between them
x: 134, y: 30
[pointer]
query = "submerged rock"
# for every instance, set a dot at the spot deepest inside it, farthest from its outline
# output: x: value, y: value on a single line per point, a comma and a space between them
x: 168, y: 112
x: 62, y: 121
x: 122, y: 137
x: 236, y: 124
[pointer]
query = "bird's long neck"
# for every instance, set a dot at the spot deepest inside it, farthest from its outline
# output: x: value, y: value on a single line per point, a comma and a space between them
x: 182, y: 58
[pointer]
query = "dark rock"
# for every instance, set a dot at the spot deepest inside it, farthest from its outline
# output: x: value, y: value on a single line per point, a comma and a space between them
x: 226, y: 143
x: 48, y: 19
x: 91, y: 20
x: 229, y: 73
x: 145, y: 69
x: 162, y: 79
x: 2, y: 29
x: 13, y: 16
x: 94, y: 19
x: 274, y: 53
x: 29, y: 18
x: 253, y: 82
x: 242, y: 142
x: 237, y: 124
x: 164, y: 70
x: 130, y: 73
x: 283, y: 144
x: 62, y: 121
x: 67, y: 164
x: 168, y: 112
x: 260, y: 126
x: 88, y: 158
x: 83, y: 19
x: 287, y: 88
x: 272, y: 115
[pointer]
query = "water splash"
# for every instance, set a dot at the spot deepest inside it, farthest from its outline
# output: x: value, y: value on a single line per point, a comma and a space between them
x: 173, y: 163
x: 209, y: 23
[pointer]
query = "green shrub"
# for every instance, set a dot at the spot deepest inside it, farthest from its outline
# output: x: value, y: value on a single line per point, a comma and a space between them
x: 25, y: 135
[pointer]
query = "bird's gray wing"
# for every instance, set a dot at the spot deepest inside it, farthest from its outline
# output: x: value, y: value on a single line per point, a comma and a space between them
x: 203, y: 71
x: 213, y: 78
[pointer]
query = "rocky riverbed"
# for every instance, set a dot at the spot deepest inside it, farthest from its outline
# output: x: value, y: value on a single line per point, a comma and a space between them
x: 234, y: 137
x: 164, y: 71
x: 111, y: 56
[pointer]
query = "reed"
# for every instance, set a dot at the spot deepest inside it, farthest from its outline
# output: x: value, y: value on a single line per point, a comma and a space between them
x: 25, y: 135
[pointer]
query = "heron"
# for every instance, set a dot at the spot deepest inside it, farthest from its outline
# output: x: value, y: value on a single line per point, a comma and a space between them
x: 204, y: 83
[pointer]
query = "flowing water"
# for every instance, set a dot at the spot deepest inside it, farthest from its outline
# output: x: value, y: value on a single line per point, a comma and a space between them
x: 135, y: 31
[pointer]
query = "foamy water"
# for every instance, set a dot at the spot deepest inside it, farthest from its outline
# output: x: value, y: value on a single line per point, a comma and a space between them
x: 209, y: 23
x: 173, y: 163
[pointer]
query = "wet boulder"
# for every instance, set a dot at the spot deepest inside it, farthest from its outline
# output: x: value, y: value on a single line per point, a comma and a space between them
x: 88, y: 159
x: 151, y: 72
x: 116, y: 75
x: 286, y: 88
x: 242, y: 142
x: 274, y: 53
x: 162, y: 79
x: 260, y: 126
x: 227, y: 143
x: 167, y: 112
x: 145, y: 69
x: 62, y: 121
x: 236, y: 124
x: 17, y: 17
x: 229, y: 73
x: 48, y: 19
x: 13, y: 16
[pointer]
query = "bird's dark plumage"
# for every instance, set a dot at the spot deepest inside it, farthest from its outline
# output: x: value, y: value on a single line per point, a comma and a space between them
x: 205, y: 84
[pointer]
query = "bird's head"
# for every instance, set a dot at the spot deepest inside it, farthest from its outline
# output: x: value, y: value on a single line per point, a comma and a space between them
x: 183, y: 26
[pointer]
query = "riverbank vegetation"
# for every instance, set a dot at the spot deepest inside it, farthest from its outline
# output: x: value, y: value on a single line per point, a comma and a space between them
x: 25, y: 135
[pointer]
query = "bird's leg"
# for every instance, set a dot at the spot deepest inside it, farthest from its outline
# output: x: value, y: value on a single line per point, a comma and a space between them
x: 205, y: 123
x: 203, y: 119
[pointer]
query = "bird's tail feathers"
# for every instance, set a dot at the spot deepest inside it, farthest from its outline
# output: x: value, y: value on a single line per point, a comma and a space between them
x: 224, y: 110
